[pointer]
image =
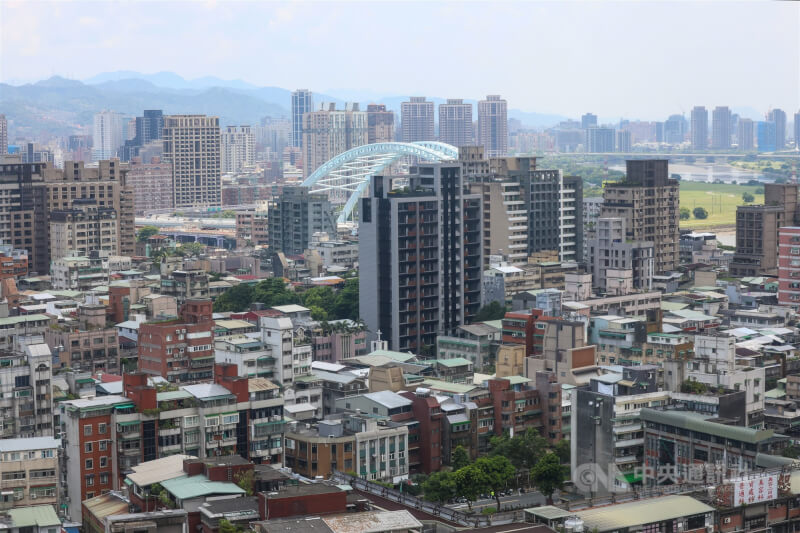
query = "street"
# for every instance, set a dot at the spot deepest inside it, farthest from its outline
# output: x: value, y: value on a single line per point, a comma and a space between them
x: 528, y: 499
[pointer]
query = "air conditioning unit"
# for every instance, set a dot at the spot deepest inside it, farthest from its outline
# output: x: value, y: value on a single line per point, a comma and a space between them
x: 33, y: 496
x: 726, y: 520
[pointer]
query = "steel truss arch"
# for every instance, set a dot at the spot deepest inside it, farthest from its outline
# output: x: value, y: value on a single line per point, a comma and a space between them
x: 349, y: 173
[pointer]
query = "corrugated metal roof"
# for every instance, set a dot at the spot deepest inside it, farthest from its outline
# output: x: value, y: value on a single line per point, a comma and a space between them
x: 651, y: 510
x: 388, y: 399
x: 189, y: 487
x: 106, y: 505
x: 207, y: 390
x: 158, y: 470
x: 260, y: 384
x: 33, y: 443
x: 34, y: 515
x: 372, y: 522
x: 703, y: 424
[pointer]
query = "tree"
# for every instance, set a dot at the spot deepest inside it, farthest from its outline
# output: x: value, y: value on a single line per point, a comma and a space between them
x: 190, y: 248
x: 439, y: 487
x: 748, y: 198
x: 145, y: 232
x: 492, y: 311
x: 460, y: 458
x: 563, y: 451
x: 759, y: 190
x: 548, y: 475
x: 700, y: 213
x: 346, y: 301
x: 470, y: 482
x: 685, y: 214
x: 524, y: 451
x: 245, y: 480
x: 792, y: 452
x: 226, y: 527
x: 498, y: 471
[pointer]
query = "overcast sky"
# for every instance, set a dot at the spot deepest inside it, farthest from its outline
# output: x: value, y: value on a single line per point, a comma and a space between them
x: 633, y: 59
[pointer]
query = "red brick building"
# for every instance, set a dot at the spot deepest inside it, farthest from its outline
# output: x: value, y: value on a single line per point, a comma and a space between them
x: 424, y: 438
x: 180, y: 350
x: 520, y: 327
x: 299, y: 500
x: 789, y: 267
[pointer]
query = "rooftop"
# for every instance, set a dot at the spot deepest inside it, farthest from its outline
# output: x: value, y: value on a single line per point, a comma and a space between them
x: 206, y: 390
x: 388, y: 399
x: 158, y: 470
x: 34, y: 516
x: 188, y: 487
x: 705, y: 424
x: 637, y: 513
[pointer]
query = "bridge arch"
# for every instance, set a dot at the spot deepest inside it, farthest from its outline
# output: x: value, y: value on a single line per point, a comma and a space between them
x: 346, y: 176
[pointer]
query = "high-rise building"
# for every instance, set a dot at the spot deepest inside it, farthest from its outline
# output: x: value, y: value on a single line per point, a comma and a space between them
x: 3, y: 135
x: 420, y: 257
x: 107, y: 134
x: 788, y: 268
x: 455, y: 123
x: 767, y: 136
x: 493, y: 126
x: 699, y: 133
x: 416, y: 120
x: 721, y: 128
x: 380, y: 124
x: 152, y: 186
x: 757, y: 230
x: 744, y: 135
x: 588, y: 120
x: 192, y: 146
x: 302, y: 103
x: 83, y: 228
x: 611, y: 249
x: 599, y: 140
x: 797, y: 130
x: 107, y: 184
x: 675, y: 129
x: 295, y: 215
x: 237, y: 148
x: 647, y: 198
x: 778, y: 116
x: 147, y: 129
x: 24, y: 211
x: 328, y: 133
x: 623, y: 141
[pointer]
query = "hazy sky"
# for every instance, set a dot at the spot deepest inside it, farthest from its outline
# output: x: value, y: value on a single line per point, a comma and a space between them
x: 634, y: 59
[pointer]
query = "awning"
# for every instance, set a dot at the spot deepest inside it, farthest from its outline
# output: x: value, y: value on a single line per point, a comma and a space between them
x: 132, y: 423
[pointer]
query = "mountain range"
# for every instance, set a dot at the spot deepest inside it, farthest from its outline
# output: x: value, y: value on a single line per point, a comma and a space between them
x: 58, y: 106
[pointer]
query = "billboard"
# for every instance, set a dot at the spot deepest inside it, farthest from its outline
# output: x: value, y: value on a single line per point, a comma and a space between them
x: 755, y: 489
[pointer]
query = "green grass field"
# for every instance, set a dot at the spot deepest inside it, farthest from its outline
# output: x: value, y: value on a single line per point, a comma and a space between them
x: 719, y: 200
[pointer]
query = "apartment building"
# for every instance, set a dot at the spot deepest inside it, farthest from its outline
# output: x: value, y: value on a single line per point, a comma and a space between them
x: 416, y: 120
x: 789, y: 267
x: 23, y: 212
x: 192, y: 147
x: 237, y: 149
x: 179, y: 349
x: 610, y: 249
x: 252, y: 226
x: 455, y: 122
x: 329, y: 132
x: 493, y: 125
x: 29, y: 470
x: 420, y: 257
x: 83, y: 228
x: 647, y: 199
x: 152, y: 186
x: 380, y: 124
x: 295, y: 215
x: 86, y: 344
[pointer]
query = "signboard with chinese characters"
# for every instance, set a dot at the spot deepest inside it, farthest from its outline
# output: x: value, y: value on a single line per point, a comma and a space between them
x: 755, y: 489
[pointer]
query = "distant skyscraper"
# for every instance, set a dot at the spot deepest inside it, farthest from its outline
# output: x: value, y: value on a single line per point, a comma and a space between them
x: 330, y: 132
x: 3, y: 135
x: 778, y: 116
x: 767, y: 133
x: 599, y: 140
x: 192, y: 145
x: 416, y: 120
x: 455, y: 123
x: 237, y: 149
x: 295, y: 215
x: 493, y: 126
x: 797, y: 130
x: 744, y: 135
x: 588, y: 120
x: 302, y: 102
x: 699, y: 134
x: 380, y: 124
x: 108, y: 135
x: 721, y: 128
x: 147, y: 128
x: 623, y: 141
x: 675, y: 129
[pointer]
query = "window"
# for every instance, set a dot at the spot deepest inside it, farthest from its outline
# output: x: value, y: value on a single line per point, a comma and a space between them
x: 230, y: 418
x: 89, y: 464
x: 103, y: 445
x: 191, y: 421
x: 87, y: 429
x: 90, y: 481
x: 212, y: 421
x: 101, y: 428
x: 103, y: 462
x: 47, y: 454
x: 87, y: 447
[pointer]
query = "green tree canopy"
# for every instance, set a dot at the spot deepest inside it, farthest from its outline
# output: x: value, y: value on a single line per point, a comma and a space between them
x: 748, y: 198
x: 145, y: 232
x: 498, y: 471
x: 492, y: 311
x: 700, y: 213
x: 439, y: 487
x: 190, y: 248
x: 685, y: 214
x: 246, y: 481
x: 470, y: 482
x: 524, y: 451
x: 460, y: 458
x: 563, y: 451
x: 548, y: 475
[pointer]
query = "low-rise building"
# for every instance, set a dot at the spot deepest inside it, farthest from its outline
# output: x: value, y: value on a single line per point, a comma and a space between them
x: 29, y: 470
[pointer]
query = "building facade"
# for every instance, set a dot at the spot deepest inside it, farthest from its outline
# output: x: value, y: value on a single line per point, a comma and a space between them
x: 237, y: 149
x: 455, y: 123
x: 380, y: 124
x: 721, y: 128
x: 699, y: 128
x: 302, y: 103
x: 493, y: 126
x: 152, y: 186
x: 295, y: 215
x: 329, y: 132
x: 417, y: 120
x: 192, y: 147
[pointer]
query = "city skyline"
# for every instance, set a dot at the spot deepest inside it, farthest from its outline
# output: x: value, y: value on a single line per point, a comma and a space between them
x: 216, y: 36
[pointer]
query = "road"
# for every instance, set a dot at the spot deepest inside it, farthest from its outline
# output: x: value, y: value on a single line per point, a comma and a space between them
x: 528, y: 499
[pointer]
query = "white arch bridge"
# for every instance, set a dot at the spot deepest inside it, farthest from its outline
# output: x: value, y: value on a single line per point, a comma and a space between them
x: 347, y: 176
